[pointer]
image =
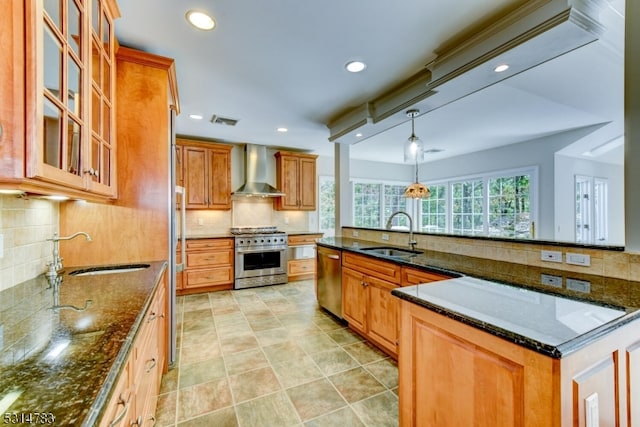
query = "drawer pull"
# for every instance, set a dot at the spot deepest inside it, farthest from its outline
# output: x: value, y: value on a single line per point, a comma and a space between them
x: 120, y: 416
x: 137, y: 421
x: 152, y: 317
x: 151, y: 364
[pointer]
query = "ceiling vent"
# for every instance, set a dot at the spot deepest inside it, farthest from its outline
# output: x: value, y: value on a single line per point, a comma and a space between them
x: 219, y: 120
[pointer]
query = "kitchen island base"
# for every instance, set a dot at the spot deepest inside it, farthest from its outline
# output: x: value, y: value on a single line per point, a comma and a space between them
x: 453, y: 374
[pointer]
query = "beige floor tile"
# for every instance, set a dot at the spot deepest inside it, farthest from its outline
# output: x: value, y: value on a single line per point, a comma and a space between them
x: 272, y: 336
x: 316, y: 343
x: 237, y: 363
x: 356, y: 384
x: 198, y: 353
x: 203, y: 398
x: 271, y: 410
x: 237, y: 344
x: 344, y: 336
x: 314, y: 399
x: 202, y: 372
x: 225, y: 417
x: 282, y: 352
x: 334, y: 361
x: 252, y: 384
x: 344, y: 417
x: 166, y: 409
x: 364, y: 352
x: 297, y: 371
x: 199, y: 336
x: 378, y: 411
x: 385, y: 371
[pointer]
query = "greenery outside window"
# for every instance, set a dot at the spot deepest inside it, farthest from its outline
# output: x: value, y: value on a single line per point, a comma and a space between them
x: 433, y: 218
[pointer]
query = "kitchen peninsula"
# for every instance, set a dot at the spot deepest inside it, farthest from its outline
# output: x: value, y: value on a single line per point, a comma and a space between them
x: 516, y: 351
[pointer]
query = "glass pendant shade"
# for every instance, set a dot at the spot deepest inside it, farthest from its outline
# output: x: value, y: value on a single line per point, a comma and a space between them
x: 413, y: 151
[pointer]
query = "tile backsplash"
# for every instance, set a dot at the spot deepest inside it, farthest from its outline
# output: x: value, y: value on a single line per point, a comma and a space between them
x: 25, y: 224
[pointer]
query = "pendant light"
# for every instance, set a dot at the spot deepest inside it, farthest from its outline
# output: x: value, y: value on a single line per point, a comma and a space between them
x: 413, y: 151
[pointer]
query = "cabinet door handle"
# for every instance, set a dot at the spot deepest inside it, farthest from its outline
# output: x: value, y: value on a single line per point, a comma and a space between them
x: 137, y: 421
x: 151, y: 364
x: 152, y: 317
x: 120, y: 416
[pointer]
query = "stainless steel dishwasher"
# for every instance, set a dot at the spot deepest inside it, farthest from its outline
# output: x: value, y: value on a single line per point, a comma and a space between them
x: 329, y: 285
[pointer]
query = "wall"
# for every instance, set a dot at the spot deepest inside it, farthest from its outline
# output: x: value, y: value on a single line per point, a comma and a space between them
x: 25, y: 224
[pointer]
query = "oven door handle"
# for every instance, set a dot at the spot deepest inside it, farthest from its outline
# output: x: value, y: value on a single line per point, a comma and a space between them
x: 267, y: 249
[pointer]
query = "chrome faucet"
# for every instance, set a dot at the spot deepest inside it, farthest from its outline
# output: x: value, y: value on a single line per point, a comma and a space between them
x: 412, y: 243
x: 56, y: 264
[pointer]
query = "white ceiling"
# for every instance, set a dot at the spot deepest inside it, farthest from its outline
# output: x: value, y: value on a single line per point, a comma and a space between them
x: 281, y: 63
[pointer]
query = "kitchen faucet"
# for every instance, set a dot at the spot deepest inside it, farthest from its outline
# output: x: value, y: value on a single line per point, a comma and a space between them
x: 412, y: 243
x: 56, y: 264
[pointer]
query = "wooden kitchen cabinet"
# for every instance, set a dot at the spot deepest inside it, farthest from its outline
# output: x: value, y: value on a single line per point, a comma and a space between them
x: 296, y: 178
x: 301, y: 262
x: 444, y: 362
x: 206, y: 174
x: 367, y: 303
x: 209, y: 266
x: 414, y: 276
x: 134, y: 397
x: 57, y: 127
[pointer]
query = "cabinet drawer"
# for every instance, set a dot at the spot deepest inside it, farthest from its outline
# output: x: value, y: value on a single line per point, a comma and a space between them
x: 302, y: 266
x: 213, y: 258
x: 412, y: 276
x: 203, y: 244
x: 373, y: 267
x: 119, y: 409
x: 210, y: 276
x: 302, y: 239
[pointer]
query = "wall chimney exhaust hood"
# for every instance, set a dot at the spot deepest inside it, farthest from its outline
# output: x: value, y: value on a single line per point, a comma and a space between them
x: 255, y: 182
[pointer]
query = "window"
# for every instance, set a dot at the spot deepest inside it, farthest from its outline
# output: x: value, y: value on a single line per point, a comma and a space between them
x: 467, y: 210
x: 509, y: 206
x: 498, y: 205
x: 433, y: 216
x: 327, y: 206
x: 366, y: 205
x: 395, y: 201
x: 591, y: 209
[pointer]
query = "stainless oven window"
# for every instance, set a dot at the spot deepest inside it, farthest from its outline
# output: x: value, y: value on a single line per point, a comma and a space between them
x: 262, y: 260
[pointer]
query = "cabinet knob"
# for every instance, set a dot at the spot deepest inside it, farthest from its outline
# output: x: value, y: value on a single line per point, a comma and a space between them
x: 91, y: 172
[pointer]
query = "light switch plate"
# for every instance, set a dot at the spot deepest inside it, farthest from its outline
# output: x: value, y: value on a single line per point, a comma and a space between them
x: 578, y: 259
x: 551, y: 256
x: 551, y: 280
x: 579, y: 285
x: 385, y: 236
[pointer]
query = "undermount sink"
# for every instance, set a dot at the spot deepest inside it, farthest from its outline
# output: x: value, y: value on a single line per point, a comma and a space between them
x: 391, y: 252
x: 109, y: 269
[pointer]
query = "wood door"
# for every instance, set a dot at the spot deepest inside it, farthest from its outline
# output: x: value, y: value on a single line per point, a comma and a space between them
x: 195, y: 177
x: 354, y: 299
x: 219, y: 179
x: 288, y: 182
x: 307, y: 184
x: 382, y: 314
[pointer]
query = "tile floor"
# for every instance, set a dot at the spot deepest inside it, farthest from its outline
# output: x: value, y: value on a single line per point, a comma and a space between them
x: 269, y: 357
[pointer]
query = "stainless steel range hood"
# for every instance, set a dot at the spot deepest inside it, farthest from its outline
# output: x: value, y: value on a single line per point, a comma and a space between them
x: 255, y: 182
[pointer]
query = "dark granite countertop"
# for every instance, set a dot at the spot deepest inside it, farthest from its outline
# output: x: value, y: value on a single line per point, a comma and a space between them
x: 64, y: 344
x: 554, y: 312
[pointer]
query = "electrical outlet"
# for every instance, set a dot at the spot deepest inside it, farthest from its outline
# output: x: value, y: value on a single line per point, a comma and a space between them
x: 385, y: 236
x: 551, y: 256
x: 551, y: 280
x: 591, y: 411
x: 200, y: 222
x: 355, y: 233
x: 579, y: 285
x: 578, y: 259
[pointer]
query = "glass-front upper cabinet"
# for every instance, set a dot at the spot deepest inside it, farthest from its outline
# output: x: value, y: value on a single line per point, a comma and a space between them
x: 70, y: 95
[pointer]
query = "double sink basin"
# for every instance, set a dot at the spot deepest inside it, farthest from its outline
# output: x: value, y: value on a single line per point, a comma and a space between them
x: 392, y: 252
x: 108, y: 269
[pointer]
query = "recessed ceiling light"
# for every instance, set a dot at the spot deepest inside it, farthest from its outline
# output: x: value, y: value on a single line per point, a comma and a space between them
x: 500, y: 68
x: 195, y: 116
x: 358, y: 135
x: 282, y: 130
x: 355, y: 66
x: 200, y: 20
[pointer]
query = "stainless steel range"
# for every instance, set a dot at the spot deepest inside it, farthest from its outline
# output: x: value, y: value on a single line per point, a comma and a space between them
x: 260, y: 256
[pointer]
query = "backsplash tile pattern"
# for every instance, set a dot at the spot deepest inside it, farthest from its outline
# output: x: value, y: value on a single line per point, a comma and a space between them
x: 618, y: 265
x: 25, y: 224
